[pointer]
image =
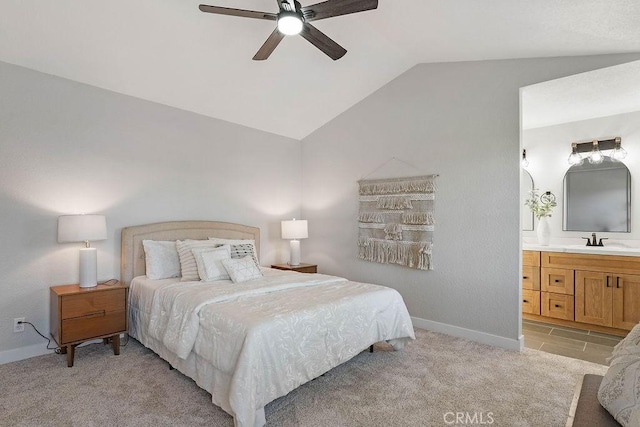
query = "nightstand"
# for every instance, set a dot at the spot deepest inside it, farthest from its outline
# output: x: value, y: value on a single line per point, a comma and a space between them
x: 302, y: 268
x: 82, y: 314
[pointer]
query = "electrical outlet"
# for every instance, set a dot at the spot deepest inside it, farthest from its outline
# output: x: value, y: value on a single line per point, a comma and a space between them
x: 18, y: 327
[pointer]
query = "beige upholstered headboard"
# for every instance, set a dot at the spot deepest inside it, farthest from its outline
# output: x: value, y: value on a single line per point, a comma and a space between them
x: 133, y: 263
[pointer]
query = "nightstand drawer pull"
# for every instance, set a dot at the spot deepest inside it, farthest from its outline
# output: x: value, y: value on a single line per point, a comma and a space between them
x: 99, y: 313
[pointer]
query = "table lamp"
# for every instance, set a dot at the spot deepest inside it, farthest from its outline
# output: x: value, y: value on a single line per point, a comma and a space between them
x: 294, y: 231
x: 84, y: 228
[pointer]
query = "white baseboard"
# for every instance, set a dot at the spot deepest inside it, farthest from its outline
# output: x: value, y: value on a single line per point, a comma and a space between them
x: 22, y: 353
x: 469, y: 334
x: 27, y: 352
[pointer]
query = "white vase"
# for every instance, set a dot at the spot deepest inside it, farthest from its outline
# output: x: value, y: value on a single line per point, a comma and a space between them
x: 544, y: 231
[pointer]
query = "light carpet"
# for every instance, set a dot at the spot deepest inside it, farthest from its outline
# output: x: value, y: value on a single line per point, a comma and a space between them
x: 426, y: 384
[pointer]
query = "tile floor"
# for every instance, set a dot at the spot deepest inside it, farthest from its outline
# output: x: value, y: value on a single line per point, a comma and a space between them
x: 565, y: 341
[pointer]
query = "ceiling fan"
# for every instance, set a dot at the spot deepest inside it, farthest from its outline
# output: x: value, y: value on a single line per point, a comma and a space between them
x: 294, y: 19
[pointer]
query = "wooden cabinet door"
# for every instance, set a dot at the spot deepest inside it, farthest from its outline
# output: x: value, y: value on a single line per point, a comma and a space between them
x: 626, y: 301
x: 594, y: 298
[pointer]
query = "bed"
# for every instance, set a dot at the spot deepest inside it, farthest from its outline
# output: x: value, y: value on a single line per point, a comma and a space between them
x: 249, y: 343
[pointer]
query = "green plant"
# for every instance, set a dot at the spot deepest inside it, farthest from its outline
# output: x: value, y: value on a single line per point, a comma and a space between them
x: 541, y: 204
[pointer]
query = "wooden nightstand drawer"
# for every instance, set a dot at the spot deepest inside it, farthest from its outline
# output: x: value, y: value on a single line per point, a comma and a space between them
x: 92, y: 326
x: 92, y: 304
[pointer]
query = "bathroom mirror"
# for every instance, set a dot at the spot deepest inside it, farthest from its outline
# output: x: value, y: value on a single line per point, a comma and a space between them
x: 526, y: 185
x: 597, y: 197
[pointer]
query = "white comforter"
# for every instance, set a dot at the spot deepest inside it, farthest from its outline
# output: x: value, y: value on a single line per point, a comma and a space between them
x: 273, y: 334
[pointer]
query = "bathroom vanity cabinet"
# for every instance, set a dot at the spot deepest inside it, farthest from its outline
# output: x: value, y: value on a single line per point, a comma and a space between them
x: 588, y: 291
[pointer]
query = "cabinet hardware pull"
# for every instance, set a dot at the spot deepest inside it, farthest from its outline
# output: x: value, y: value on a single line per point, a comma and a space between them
x: 557, y: 305
x: 557, y: 281
x: 525, y: 277
x: 618, y: 282
x: 607, y: 281
x: 95, y: 314
x: 524, y: 300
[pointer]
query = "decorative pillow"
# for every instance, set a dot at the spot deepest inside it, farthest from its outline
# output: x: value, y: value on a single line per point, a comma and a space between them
x: 239, y: 247
x: 209, y: 262
x: 619, y: 392
x: 161, y: 259
x: 242, y: 270
x: 188, y: 264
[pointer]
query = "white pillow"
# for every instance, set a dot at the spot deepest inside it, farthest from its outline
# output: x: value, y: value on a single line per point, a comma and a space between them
x: 209, y: 262
x: 188, y: 264
x: 161, y: 259
x: 242, y: 270
x: 240, y: 248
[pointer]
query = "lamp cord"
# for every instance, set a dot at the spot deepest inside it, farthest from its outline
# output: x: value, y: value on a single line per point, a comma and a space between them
x: 56, y: 349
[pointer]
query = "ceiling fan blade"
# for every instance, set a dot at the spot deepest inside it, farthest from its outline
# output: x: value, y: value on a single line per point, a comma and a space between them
x: 330, y: 8
x: 322, y: 41
x: 238, y: 12
x: 268, y: 47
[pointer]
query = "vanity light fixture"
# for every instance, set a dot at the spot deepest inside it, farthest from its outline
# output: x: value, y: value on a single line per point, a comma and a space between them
x: 524, y: 163
x: 595, y: 149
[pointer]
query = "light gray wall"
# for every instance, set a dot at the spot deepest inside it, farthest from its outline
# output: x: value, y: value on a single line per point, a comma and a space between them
x: 460, y: 120
x: 70, y: 148
x: 548, y: 149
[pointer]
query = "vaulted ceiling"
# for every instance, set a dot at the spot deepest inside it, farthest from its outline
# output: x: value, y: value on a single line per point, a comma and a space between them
x: 169, y: 52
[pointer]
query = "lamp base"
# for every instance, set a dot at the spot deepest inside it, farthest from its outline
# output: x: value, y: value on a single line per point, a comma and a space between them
x: 294, y: 257
x: 88, y: 268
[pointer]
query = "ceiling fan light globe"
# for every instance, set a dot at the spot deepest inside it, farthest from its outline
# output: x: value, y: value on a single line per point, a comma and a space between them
x: 289, y: 24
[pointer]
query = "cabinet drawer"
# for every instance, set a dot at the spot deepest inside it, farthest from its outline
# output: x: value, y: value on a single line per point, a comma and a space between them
x: 555, y: 305
x: 557, y: 280
x: 531, y: 277
x: 531, y: 258
x: 85, y: 328
x: 88, y: 303
x: 530, y: 301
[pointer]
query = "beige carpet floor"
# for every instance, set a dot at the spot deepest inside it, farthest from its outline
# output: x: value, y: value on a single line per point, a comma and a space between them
x: 424, y: 385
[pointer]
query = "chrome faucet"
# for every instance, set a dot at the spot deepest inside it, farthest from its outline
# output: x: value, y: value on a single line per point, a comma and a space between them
x: 595, y: 241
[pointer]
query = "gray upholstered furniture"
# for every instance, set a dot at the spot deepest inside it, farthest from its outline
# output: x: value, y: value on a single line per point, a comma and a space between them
x: 586, y: 410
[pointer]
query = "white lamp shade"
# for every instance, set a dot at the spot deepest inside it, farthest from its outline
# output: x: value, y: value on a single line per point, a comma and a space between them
x: 295, y: 229
x: 81, y: 228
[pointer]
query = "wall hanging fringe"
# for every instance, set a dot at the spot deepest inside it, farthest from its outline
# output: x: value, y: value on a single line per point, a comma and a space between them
x: 396, y: 221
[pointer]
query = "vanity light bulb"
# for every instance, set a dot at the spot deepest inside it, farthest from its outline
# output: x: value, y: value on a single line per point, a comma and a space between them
x: 596, y: 157
x: 618, y: 153
x: 575, y: 159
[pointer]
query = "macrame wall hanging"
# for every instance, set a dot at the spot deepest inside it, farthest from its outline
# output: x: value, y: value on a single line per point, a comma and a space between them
x: 396, y: 221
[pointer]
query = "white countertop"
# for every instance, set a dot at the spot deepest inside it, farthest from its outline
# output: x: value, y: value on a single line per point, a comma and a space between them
x: 613, y: 249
